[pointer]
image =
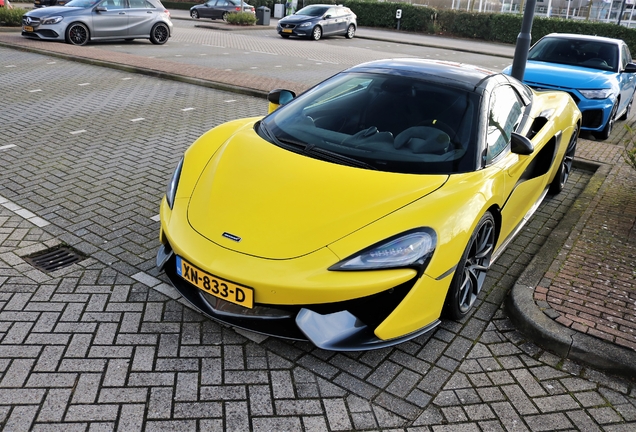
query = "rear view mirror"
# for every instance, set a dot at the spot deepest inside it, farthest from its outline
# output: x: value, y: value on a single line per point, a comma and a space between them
x: 279, y: 97
x: 520, y: 145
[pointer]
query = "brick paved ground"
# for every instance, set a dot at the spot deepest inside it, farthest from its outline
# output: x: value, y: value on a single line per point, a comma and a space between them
x: 106, y: 344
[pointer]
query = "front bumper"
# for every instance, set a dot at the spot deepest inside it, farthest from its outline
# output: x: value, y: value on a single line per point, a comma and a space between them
x: 595, y: 112
x: 46, y: 32
x: 339, y: 326
x: 296, y: 31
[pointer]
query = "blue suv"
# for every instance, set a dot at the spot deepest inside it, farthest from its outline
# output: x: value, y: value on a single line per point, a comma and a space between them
x: 596, y: 71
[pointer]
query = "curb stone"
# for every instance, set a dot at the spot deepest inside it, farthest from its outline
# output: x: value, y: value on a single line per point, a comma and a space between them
x: 533, y: 321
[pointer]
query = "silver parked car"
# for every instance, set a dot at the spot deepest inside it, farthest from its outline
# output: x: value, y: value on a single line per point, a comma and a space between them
x: 81, y: 21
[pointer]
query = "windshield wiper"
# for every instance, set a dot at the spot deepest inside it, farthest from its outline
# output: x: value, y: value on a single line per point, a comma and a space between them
x: 313, y: 151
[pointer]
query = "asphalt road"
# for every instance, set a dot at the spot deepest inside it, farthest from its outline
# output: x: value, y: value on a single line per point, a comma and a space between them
x: 106, y: 344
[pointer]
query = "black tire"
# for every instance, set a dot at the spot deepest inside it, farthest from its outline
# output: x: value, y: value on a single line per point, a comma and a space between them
x: 351, y: 31
x: 470, y: 274
x: 224, y: 16
x: 627, y: 111
x: 194, y: 14
x: 316, y: 33
x: 159, y: 34
x: 607, y: 130
x: 77, y: 34
x: 565, y: 168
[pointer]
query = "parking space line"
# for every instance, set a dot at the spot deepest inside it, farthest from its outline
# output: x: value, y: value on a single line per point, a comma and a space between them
x: 137, y: 119
x: 7, y: 146
x: 22, y: 212
x: 84, y: 84
x: 187, y: 109
x: 10, y: 66
x: 35, y: 91
x: 78, y: 132
x: 230, y: 100
x: 156, y: 218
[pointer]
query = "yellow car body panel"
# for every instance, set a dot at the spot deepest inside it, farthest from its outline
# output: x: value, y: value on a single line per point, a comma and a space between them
x: 278, y: 221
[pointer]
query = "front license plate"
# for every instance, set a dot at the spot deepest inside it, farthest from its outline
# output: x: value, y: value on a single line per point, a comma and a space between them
x: 215, y: 286
x: 27, y: 28
x: 287, y: 30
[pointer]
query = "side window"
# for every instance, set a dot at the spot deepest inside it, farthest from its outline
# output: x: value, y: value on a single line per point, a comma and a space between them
x: 332, y: 12
x: 140, y: 4
x: 114, y: 4
x: 504, y: 115
x: 627, y: 57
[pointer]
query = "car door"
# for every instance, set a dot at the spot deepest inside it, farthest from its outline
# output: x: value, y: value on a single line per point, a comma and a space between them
x: 329, y: 22
x: 111, y: 22
x: 223, y: 6
x: 141, y: 17
x: 627, y: 80
x: 520, y: 183
x: 207, y: 9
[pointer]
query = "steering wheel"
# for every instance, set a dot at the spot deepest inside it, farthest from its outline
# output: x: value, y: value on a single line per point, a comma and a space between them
x: 437, y: 124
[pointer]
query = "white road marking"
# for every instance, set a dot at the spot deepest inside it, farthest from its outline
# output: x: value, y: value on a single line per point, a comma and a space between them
x: 156, y: 218
x: 187, y: 109
x: 230, y: 100
x: 26, y: 214
x: 7, y: 147
x: 126, y: 79
x: 78, y: 132
x: 137, y: 119
x: 10, y: 66
x: 35, y: 91
x: 84, y: 84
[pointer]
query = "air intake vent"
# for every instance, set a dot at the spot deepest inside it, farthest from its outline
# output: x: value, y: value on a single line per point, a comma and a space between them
x: 55, y: 258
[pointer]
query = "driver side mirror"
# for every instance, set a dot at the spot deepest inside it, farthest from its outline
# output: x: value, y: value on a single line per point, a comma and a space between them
x: 520, y: 145
x: 101, y: 9
x: 278, y: 98
x: 630, y: 68
x: 326, y: 16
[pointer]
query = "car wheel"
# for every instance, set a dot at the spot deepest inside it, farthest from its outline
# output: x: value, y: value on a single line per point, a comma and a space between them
x: 351, y: 31
x: 224, y: 16
x: 194, y: 14
x: 471, y: 272
x: 159, y: 34
x: 316, y: 33
x: 629, y: 108
x: 77, y: 34
x: 565, y: 168
x: 607, y: 130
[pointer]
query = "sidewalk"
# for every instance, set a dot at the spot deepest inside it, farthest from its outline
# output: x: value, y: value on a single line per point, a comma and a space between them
x: 578, y: 296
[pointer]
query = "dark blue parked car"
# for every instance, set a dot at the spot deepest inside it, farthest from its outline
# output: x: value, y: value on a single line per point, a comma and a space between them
x: 596, y: 71
x: 317, y: 20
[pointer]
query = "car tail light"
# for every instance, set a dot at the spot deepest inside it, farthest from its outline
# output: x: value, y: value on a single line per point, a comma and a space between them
x: 167, y: 12
x: 238, y: 9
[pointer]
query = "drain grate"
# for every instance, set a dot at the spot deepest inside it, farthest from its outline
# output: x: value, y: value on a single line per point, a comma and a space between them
x: 54, y: 258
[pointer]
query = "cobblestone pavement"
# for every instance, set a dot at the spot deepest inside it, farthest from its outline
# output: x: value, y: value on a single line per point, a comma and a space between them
x: 106, y: 344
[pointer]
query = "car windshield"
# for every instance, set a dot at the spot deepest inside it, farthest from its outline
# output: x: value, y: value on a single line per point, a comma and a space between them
x: 82, y: 3
x: 383, y: 122
x: 313, y: 11
x: 586, y: 53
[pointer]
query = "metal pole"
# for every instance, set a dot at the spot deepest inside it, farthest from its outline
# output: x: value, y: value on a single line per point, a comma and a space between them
x: 620, y: 15
x: 523, y: 42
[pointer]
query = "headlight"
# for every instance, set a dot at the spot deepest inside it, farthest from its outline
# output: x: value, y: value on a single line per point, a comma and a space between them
x: 171, y: 191
x: 52, y: 20
x: 597, y: 94
x: 412, y: 248
x: 305, y: 24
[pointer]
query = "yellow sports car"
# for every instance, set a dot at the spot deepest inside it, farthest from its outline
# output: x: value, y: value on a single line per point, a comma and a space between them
x: 360, y: 212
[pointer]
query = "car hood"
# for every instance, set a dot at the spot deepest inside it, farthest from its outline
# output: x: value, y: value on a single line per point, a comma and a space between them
x: 565, y: 76
x: 297, y: 19
x: 256, y: 198
x: 50, y: 11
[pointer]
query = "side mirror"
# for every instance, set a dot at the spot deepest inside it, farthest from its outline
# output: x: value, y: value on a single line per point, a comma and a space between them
x: 326, y: 17
x: 279, y: 97
x: 101, y: 9
x: 520, y: 145
x: 630, y: 68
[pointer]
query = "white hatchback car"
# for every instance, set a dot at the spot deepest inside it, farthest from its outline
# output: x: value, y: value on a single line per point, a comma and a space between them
x: 81, y: 21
